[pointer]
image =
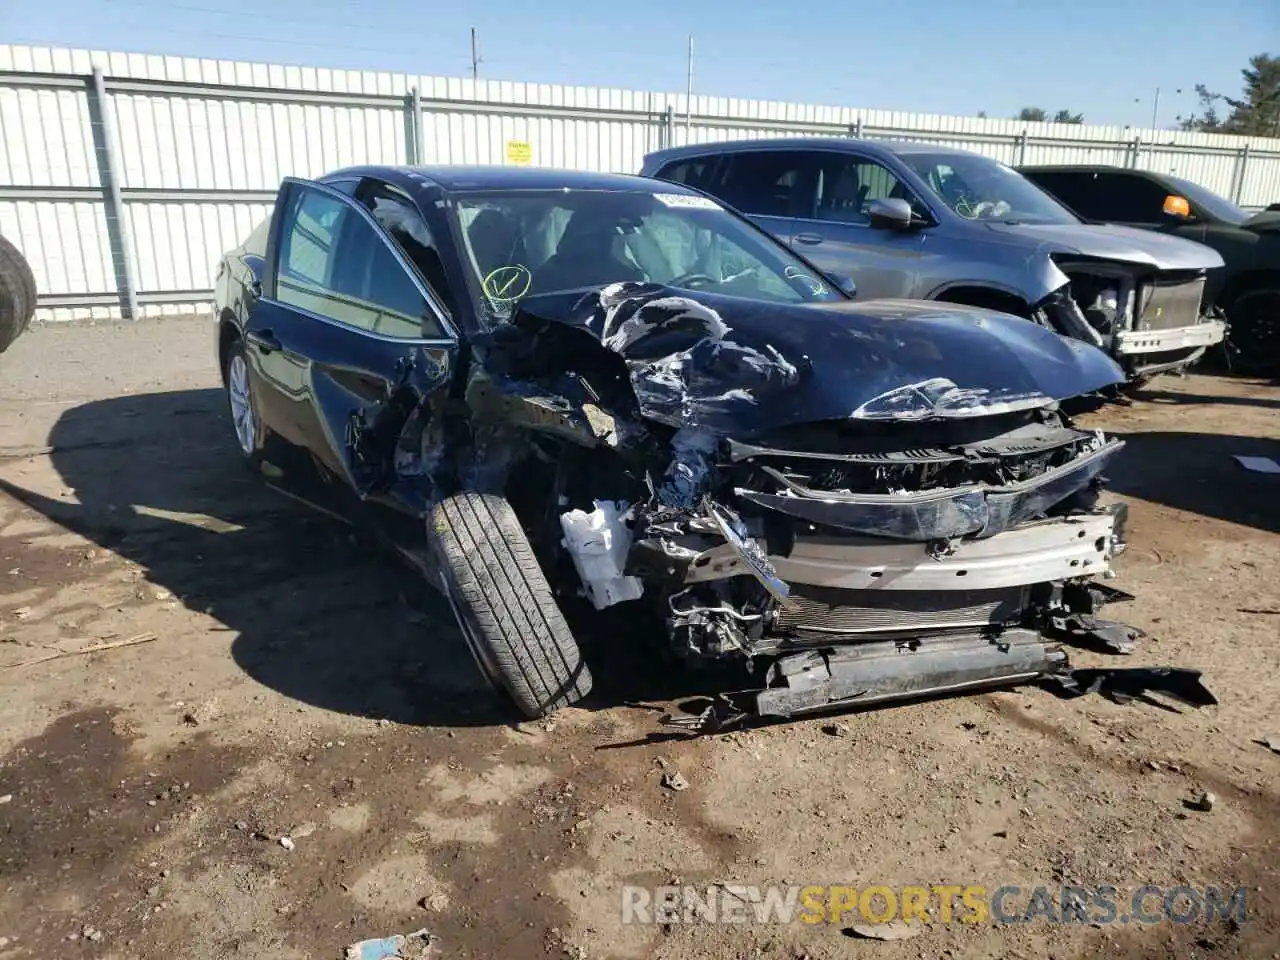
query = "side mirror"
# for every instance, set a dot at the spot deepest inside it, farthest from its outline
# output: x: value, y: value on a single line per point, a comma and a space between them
x: 890, y: 212
x: 844, y: 283
x: 1177, y: 207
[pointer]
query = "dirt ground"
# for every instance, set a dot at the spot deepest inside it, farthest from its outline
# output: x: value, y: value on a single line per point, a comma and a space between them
x: 302, y: 685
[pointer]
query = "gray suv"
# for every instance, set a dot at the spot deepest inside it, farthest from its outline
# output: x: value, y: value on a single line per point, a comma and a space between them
x: 924, y: 222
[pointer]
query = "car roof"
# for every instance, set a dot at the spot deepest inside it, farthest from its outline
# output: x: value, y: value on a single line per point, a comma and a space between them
x: 1086, y: 168
x: 462, y: 177
x: 873, y: 148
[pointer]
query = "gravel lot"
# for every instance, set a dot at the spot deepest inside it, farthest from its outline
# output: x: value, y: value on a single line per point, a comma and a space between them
x: 301, y: 684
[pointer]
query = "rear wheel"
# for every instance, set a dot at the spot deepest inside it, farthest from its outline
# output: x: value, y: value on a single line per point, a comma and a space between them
x: 244, y: 414
x: 504, y: 605
x: 1253, y: 332
x: 17, y: 294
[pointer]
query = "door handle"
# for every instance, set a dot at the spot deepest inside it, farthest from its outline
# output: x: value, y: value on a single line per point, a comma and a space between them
x: 264, y: 340
x: 810, y: 238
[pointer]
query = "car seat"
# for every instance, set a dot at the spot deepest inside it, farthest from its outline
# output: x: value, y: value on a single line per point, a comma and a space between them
x: 496, y: 240
x: 587, y: 255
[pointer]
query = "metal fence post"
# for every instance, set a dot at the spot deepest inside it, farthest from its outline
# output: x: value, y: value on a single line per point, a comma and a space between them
x: 856, y: 129
x: 413, y: 127
x: 1135, y: 149
x: 671, y: 126
x: 104, y: 148
x: 1242, y: 165
x: 1020, y: 149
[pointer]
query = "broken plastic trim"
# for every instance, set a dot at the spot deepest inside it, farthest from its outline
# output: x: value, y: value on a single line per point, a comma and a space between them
x: 870, y: 673
x: 1065, y: 315
x: 749, y: 551
x: 980, y: 510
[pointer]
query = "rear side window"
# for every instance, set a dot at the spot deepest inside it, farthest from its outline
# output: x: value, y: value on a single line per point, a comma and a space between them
x: 695, y: 172
x: 1106, y: 196
x: 771, y: 183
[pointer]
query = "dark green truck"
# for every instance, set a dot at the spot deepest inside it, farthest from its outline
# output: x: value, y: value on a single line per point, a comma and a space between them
x: 1247, y: 288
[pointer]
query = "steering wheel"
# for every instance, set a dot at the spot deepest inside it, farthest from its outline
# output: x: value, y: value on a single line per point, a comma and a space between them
x: 688, y: 279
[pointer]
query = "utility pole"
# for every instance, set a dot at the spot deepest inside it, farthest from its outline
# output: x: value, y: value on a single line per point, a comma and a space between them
x: 688, y: 116
x: 475, y: 57
x: 1155, y: 107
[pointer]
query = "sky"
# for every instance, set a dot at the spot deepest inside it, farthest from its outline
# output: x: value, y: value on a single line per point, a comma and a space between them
x: 1104, y: 58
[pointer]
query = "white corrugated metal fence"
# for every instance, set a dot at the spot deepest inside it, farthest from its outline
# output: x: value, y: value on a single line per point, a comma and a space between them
x: 190, y: 152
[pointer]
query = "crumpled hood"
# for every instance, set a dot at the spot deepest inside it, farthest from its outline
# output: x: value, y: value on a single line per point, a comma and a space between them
x: 1127, y: 244
x: 742, y: 367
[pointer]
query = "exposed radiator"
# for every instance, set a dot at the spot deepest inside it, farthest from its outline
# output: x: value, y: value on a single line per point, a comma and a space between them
x: 823, y: 611
x: 1168, y: 304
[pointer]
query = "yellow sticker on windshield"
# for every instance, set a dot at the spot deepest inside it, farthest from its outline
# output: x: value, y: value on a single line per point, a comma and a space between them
x: 507, y: 283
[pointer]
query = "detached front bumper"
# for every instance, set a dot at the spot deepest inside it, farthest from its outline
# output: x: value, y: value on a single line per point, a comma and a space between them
x: 1199, y: 336
x: 869, y: 620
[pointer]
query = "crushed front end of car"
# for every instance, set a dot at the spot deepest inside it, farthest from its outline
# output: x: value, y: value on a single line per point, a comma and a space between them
x: 855, y: 503
x: 1150, y: 317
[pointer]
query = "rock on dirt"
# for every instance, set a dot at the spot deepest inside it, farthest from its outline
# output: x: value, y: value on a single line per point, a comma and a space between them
x: 1204, y: 803
x: 674, y: 780
x: 893, y: 930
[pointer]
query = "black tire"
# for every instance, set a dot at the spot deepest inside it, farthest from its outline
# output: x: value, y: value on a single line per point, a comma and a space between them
x: 17, y: 294
x: 504, y: 604
x: 1253, y: 331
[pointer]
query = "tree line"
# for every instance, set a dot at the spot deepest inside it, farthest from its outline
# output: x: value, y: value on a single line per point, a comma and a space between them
x: 1254, y: 112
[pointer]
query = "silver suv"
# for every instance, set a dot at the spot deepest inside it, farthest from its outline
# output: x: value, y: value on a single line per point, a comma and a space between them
x: 924, y: 222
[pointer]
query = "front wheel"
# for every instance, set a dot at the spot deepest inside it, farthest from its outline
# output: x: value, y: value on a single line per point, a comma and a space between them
x: 504, y: 604
x: 1253, y: 331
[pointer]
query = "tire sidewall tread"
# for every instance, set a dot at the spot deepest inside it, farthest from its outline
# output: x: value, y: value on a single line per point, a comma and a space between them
x: 499, y: 588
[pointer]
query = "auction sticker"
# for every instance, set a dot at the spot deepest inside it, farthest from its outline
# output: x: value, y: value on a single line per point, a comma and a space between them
x: 686, y: 201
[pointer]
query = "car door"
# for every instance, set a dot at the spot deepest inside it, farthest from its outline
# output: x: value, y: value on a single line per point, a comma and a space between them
x: 347, y: 337
x: 838, y: 235
x: 769, y: 186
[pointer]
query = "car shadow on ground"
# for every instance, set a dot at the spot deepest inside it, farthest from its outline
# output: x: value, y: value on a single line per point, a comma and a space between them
x: 1198, y: 473
x: 321, y: 614
x: 1173, y: 397
x: 328, y: 618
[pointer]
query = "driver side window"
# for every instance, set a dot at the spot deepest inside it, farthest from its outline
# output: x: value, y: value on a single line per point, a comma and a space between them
x: 333, y: 263
x: 848, y: 184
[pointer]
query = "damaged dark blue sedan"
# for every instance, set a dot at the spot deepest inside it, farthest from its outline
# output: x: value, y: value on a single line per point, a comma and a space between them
x: 560, y: 392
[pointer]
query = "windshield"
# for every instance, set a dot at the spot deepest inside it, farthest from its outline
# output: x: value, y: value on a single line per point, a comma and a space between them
x: 979, y: 188
x: 522, y: 243
x: 1218, y: 207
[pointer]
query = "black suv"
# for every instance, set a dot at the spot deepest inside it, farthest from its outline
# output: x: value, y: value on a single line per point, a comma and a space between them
x: 1247, y: 289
